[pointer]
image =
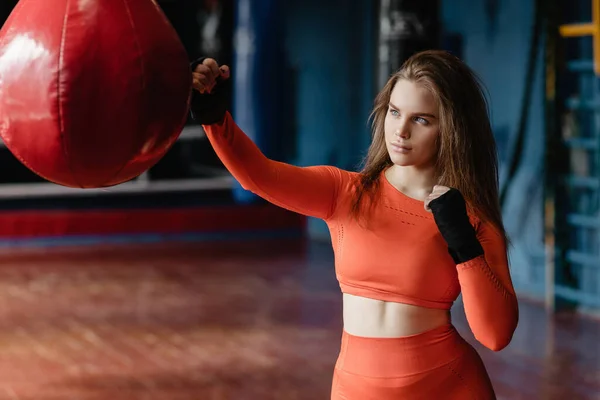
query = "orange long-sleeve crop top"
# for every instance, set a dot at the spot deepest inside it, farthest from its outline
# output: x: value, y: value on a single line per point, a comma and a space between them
x: 400, y: 257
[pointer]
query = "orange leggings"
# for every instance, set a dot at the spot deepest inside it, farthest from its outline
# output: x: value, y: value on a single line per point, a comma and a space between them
x: 435, y: 365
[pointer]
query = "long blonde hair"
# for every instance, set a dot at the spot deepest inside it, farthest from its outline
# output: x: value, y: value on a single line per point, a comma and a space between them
x: 466, y: 158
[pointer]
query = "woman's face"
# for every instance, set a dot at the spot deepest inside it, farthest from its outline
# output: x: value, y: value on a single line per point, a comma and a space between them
x: 412, y: 125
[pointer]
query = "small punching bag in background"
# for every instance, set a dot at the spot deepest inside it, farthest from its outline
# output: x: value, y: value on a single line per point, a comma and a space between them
x: 92, y: 93
x: 405, y: 28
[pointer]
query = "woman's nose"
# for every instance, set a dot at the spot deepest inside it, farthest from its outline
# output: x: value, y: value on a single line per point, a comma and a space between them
x: 403, y: 132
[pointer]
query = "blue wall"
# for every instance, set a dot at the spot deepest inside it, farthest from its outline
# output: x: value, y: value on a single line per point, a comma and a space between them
x: 496, y: 45
x: 331, y: 46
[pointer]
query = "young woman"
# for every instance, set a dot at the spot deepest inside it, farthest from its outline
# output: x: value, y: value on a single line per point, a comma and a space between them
x: 420, y: 224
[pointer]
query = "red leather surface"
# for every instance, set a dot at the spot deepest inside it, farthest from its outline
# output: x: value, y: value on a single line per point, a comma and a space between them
x: 92, y: 93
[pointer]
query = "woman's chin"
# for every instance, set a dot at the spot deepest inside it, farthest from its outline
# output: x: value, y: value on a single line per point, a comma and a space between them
x: 400, y: 160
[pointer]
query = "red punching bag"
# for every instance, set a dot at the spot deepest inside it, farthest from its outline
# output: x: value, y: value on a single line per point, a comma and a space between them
x: 92, y: 92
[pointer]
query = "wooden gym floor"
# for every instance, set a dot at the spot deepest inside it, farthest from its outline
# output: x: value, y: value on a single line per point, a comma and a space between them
x: 218, y: 321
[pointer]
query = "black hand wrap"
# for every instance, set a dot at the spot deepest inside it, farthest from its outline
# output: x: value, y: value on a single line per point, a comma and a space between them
x: 210, y: 108
x: 450, y: 214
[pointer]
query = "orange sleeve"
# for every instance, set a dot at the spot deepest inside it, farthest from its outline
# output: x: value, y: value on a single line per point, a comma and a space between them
x: 310, y: 191
x: 488, y: 295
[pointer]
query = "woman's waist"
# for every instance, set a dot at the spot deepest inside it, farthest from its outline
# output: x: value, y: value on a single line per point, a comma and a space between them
x: 383, y: 319
x: 402, y: 356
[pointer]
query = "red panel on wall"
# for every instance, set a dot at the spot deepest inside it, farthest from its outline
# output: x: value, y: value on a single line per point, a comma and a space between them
x: 45, y: 223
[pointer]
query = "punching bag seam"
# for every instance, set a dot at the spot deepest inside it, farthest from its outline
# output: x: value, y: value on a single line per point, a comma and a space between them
x: 137, y: 43
x: 61, y: 121
x: 142, y: 76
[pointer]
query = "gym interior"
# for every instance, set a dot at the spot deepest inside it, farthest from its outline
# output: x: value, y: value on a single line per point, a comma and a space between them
x: 181, y: 284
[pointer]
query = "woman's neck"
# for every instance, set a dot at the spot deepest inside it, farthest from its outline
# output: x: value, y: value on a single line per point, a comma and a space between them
x: 412, y: 181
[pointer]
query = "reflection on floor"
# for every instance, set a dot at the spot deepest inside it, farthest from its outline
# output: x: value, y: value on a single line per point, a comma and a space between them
x: 243, y: 321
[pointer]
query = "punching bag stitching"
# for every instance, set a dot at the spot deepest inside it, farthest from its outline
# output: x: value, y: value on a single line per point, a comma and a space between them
x: 142, y: 73
x: 137, y: 43
x: 61, y: 122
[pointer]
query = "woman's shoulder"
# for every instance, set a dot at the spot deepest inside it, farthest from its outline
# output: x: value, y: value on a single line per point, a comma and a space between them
x: 344, y: 175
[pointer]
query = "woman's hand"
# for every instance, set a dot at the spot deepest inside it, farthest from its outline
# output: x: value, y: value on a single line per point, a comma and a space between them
x: 450, y: 214
x: 438, y: 190
x: 211, y: 94
x: 206, y: 74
